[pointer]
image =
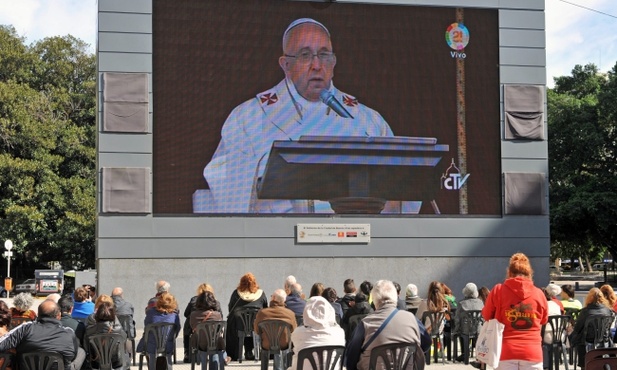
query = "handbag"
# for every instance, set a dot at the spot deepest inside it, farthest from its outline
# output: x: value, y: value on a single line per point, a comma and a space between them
x: 488, y: 345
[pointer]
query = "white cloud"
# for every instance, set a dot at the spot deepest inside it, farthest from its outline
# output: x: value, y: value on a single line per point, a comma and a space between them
x: 575, y: 35
x: 37, y: 19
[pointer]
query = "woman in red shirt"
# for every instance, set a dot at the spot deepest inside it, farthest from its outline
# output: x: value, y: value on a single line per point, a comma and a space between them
x: 523, y: 309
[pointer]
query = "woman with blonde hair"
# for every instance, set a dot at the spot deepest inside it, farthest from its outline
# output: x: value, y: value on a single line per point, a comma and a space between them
x: 248, y: 294
x: 190, y: 307
x: 100, y: 300
x: 595, y: 305
x: 165, y: 310
x: 523, y: 309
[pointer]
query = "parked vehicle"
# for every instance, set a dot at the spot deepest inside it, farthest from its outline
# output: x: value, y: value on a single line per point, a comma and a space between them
x: 27, y: 286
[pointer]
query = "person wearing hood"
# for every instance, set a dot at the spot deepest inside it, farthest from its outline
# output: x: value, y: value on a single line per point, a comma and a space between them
x: 105, y: 321
x: 248, y: 294
x: 523, y: 309
x: 320, y: 328
x: 276, y: 311
x: 398, y: 327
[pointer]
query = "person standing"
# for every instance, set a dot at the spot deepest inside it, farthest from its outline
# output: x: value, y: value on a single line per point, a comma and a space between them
x: 523, y: 309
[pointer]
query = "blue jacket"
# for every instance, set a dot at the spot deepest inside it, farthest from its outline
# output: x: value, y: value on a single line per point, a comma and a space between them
x: 153, y: 316
x: 82, y: 310
x: 295, y: 303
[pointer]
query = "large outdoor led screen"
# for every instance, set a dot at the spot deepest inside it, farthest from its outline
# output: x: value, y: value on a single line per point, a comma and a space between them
x: 412, y: 117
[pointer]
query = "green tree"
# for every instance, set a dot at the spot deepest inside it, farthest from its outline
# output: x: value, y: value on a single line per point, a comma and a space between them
x: 583, y: 185
x: 47, y: 150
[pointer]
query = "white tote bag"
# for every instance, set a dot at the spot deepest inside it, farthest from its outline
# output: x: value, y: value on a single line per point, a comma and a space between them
x: 488, y: 345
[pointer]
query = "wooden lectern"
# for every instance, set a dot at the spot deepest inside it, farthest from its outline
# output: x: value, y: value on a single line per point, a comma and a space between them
x: 355, y: 174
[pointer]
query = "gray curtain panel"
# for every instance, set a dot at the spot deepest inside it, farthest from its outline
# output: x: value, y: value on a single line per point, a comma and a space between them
x: 126, y: 190
x: 125, y: 102
x: 524, y: 112
x: 525, y: 193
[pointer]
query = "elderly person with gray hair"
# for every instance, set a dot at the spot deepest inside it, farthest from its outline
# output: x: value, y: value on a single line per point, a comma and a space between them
x: 22, y: 306
x: 470, y: 302
x: 161, y: 287
x: 386, y: 325
x: 412, y: 299
x: 554, y: 292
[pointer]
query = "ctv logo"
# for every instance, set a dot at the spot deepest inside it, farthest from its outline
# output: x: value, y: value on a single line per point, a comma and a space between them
x: 453, y: 179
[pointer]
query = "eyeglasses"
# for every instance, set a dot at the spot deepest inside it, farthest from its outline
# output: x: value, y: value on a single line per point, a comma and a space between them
x: 306, y: 57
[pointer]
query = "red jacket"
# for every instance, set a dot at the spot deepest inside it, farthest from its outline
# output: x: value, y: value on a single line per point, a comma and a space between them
x: 523, y: 309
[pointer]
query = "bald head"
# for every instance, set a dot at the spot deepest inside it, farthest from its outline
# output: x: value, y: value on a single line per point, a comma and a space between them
x: 53, y: 297
x: 117, y: 292
x: 49, y: 309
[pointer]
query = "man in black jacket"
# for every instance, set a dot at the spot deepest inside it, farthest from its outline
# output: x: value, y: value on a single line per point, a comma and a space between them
x: 46, y: 334
x: 66, y: 308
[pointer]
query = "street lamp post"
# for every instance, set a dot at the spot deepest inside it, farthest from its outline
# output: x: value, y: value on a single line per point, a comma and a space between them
x: 8, y: 245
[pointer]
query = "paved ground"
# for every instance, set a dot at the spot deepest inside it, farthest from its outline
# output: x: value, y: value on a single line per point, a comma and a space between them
x: 255, y: 365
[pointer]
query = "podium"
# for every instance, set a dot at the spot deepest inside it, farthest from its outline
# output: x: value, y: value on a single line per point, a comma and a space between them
x: 355, y: 174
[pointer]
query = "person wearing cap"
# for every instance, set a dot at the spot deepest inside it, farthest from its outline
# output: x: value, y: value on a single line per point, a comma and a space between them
x: 291, y: 109
x: 470, y: 302
x: 319, y: 329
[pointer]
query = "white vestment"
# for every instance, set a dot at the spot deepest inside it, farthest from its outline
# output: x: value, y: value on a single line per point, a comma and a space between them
x: 276, y: 114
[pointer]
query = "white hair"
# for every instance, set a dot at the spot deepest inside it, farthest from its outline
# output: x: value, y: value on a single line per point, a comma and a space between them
x: 289, y: 281
x: 383, y: 293
x: 162, y: 286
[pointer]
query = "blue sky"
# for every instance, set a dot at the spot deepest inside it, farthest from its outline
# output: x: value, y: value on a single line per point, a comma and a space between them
x: 574, y: 35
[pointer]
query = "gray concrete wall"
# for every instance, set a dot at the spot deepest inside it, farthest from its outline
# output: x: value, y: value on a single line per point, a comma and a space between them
x: 139, y: 277
x: 134, y: 251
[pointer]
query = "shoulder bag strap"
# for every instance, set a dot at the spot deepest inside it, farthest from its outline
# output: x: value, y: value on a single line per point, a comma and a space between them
x: 383, y: 325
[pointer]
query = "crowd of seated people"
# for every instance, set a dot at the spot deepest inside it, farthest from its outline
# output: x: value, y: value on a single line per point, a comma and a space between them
x: 381, y: 309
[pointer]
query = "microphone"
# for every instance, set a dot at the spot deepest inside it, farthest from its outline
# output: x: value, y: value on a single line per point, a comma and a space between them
x: 328, y: 99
